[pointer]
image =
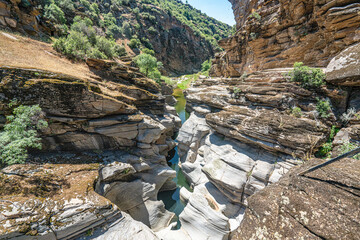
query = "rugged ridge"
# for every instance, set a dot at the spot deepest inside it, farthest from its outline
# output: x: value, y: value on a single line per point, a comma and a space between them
x: 319, y: 205
x: 176, y: 45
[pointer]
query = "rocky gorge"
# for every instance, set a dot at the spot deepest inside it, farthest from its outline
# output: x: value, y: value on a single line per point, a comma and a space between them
x: 240, y: 146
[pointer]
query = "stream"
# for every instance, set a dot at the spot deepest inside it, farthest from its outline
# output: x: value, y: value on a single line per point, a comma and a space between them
x: 171, y: 199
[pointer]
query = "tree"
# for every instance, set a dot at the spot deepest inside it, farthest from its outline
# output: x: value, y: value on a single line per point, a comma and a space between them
x: 21, y: 133
x: 147, y: 63
x: 205, y: 66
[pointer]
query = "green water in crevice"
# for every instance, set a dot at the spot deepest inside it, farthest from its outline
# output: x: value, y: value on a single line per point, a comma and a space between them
x: 171, y: 199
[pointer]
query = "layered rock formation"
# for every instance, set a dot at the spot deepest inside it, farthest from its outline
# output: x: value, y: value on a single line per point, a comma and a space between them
x: 274, y: 34
x: 109, y: 134
x: 242, y: 136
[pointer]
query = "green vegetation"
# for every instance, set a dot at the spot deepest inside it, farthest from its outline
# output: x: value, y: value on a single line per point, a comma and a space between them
x: 309, y: 78
x: 347, y: 147
x: 323, y: 108
x: 205, y: 67
x: 149, y: 66
x: 296, y: 112
x: 237, y: 92
x: 188, y: 79
x: 326, y: 148
x: 83, y: 42
x: 256, y: 16
x: 20, y: 134
x: 203, y: 25
x: 110, y: 20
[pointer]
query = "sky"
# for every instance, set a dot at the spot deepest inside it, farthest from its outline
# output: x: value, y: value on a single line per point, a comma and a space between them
x: 218, y: 9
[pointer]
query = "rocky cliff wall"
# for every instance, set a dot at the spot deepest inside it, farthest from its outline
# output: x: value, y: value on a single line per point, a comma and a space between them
x: 273, y: 34
x: 103, y: 159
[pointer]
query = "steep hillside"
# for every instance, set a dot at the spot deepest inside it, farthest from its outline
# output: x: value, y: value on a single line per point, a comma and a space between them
x: 181, y: 37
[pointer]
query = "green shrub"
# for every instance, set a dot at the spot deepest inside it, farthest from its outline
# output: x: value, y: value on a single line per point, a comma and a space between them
x: 152, y: 30
x: 20, y: 134
x: 309, y: 78
x: 296, y: 112
x: 82, y: 42
x: 76, y: 45
x: 323, y: 108
x: 255, y: 15
x: 134, y: 43
x: 326, y: 148
x: 206, y: 66
x: 148, y: 51
x: 148, y: 65
x: 54, y: 13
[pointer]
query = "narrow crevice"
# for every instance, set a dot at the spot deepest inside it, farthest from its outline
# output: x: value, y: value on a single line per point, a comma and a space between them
x: 307, y: 228
x: 339, y: 185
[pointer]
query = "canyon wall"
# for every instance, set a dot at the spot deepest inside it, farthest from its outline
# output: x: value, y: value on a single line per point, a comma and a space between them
x: 243, y: 136
x: 103, y: 159
x: 272, y: 34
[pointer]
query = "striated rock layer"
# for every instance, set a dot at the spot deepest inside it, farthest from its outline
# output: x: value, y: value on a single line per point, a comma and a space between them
x: 241, y: 137
x: 274, y: 34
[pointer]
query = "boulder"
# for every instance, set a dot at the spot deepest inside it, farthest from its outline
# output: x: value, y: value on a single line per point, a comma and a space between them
x: 51, y: 201
x: 319, y: 205
x: 344, y: 69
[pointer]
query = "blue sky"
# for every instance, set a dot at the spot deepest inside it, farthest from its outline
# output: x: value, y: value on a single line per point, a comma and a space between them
x: 219, y: 9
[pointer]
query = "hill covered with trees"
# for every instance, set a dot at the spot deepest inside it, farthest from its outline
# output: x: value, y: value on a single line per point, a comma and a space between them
x: 178, y: 35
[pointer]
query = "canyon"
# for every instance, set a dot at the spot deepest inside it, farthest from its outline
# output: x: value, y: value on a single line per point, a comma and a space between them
x: 106, y: 152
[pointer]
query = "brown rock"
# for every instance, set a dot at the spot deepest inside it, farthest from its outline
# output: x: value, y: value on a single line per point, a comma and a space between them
x: 320, y: 205
x: 270, y: 130
x: 11, y: 22
x: 51, y: 200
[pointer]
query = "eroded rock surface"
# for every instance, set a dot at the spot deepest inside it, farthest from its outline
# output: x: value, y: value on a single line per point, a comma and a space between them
x: 52, y: 201
x: 319, y: 205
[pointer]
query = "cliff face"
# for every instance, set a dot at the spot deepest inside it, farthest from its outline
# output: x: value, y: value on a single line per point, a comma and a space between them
x: 274, y: 34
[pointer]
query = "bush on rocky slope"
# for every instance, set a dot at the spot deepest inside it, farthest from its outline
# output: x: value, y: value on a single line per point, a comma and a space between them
x: 21, y: 133
x: 83, y: 42
x: 309, y: 78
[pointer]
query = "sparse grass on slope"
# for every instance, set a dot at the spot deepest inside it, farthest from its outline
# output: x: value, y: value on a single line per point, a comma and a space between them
x: 21, y: 52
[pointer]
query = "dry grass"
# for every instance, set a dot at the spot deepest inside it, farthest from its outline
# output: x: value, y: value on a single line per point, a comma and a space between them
x: 27, y: 53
